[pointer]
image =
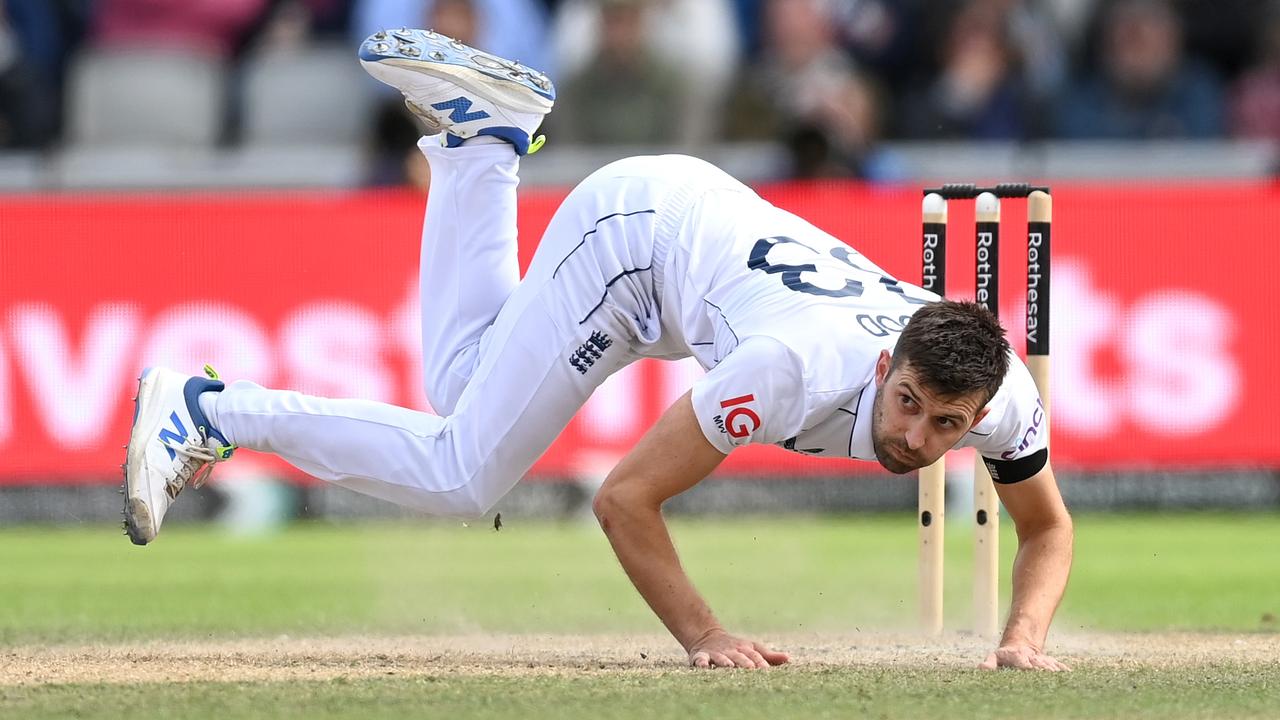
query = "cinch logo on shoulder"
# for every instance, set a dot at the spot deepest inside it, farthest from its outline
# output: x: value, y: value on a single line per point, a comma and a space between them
x: 179, y: 437
x: 460, y: 106
x: 1029, y: 435
x: 740, y: 421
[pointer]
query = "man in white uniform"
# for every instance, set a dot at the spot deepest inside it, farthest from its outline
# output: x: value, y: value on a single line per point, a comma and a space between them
x: 802, y: 337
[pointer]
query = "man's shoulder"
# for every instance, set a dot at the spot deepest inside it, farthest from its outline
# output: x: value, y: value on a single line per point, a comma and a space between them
x: 765, y: 350
x: 1015, y: 424
x: 821, y: 362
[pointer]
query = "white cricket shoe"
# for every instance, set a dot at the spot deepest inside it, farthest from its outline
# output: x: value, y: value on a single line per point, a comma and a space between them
x: 461, y: 91
x: 171, y: 445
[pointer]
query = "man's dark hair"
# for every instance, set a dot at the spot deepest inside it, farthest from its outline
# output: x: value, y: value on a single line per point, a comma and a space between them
x: 955, y: 348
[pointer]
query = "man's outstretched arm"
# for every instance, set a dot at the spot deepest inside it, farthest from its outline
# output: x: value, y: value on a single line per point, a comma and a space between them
x: 671, y: 458
x: 1040, y: 570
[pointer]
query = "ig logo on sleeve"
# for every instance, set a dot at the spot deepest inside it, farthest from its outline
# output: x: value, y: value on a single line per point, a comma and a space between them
x: 741, y: 420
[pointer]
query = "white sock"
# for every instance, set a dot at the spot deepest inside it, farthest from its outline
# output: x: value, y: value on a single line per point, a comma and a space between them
x: 209, y: 406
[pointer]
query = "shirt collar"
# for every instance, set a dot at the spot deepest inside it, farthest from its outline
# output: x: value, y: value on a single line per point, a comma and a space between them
x: 860, y: 444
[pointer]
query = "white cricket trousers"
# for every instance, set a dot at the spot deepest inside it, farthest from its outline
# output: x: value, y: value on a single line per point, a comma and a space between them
x: 507, y: 362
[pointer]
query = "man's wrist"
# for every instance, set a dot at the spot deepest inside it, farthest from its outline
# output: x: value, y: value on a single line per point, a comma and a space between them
x: 1020, y: 642
x: 1018, y: 631
x: 701, y: 637
x: 1020, y: 639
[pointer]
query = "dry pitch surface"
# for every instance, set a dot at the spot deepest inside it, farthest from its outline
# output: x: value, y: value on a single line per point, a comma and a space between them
x: 286, y: 659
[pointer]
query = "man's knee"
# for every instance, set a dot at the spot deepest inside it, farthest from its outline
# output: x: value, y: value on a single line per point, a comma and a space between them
x: 450, y: 478
x: 442, y: 396
x: 444, y: 381
x: 467, y: 502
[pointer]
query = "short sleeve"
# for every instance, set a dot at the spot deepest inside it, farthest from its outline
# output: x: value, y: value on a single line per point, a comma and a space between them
x: 755, y: 395
x: 1014, y: 437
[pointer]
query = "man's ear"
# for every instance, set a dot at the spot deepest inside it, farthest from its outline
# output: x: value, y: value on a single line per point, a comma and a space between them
x: 882, y: 367
x: 978, y: 418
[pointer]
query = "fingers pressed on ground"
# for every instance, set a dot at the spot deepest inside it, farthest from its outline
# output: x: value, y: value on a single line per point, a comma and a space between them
x: 773, y: 657
x: 1052, y: 664
x: 700, y: 660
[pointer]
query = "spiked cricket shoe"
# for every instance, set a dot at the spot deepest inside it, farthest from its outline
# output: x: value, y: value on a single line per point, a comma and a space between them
x: 459, y: 90
x: 172, y: 445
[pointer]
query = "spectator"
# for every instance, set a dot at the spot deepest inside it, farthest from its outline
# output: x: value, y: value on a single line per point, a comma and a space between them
x: 979, y: 92
x: 1041, y: 46
x: 1070, y: 19
x: 624, y: 95
x: 697, y: 36
x: 215, y: 28
x: 879, y: 34
x: 1222, y: 32
x: 292, y: 24
x: 1255, y: 106
x: 806, y: 92
x: 328, y: 19
x: 44, y: 33
x: 459, y: 19
x: 27, y: 103
x: 746, y: 14
x: 1145, y: 88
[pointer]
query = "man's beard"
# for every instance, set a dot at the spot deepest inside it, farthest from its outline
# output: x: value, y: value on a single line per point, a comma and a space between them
x: 881, y: 445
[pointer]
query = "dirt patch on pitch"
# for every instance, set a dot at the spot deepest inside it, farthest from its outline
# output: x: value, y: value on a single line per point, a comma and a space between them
x: 292, y: 659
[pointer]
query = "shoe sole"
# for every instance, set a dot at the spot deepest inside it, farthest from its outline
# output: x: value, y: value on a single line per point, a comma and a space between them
x: 507, y: 84
x: 138, y: 523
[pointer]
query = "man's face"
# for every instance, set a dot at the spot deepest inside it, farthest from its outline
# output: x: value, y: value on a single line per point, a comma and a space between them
x: 912, y: 427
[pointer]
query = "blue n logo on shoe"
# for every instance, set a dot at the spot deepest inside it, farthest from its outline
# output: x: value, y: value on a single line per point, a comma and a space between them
x: 460, y: 106
x: 179, y: 437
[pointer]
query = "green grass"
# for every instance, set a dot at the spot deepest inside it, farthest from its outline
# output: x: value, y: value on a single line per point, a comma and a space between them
x: 1210, y: 572
x: 1133, y: 694
x: 1132, y: 572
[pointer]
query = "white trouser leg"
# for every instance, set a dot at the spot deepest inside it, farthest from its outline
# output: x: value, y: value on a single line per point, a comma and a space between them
x: 469, y: 265
x: 570, y: 324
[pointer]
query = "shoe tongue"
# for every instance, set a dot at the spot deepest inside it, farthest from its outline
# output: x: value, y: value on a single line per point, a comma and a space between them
x: 191, y: 392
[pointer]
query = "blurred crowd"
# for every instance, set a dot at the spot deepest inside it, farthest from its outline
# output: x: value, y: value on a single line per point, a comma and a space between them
x: 828, y: 79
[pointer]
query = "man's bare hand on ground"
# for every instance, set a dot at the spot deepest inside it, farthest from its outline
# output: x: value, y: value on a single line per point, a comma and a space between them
x: 719, y: 649
x: 1021, y: 657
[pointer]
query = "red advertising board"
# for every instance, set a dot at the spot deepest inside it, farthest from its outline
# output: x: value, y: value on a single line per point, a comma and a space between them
x: 1164, y: 335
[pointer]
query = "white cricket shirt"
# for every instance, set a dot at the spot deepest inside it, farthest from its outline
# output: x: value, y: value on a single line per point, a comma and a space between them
x: 789, y: 322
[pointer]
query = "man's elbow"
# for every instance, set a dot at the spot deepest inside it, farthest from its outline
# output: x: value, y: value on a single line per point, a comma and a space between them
x: 603, y: 505
x: 609, y: 505
x: 616, y: 501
